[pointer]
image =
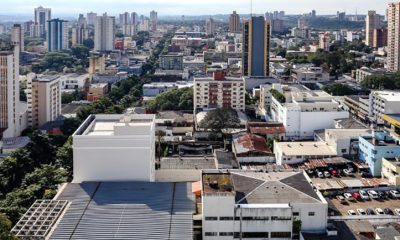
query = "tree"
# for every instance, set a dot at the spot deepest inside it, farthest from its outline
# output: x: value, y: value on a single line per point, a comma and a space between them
x: 220, y: 118
x: 89, y: 43
x: 338, y: 89
x: 381, y: 82
x: 70, y: 125
x: 278, y: 95
x: 177, y: 99
x: 80, y: 52
x: 5, y: 228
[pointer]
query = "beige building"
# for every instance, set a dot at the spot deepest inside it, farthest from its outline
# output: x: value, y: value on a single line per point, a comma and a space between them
x: 219, y: 91
x: 96, y: 91
x: 391, y: 170
x: 234, y: 22
x: 9, y: 92
x: 44, y: 99
x: 393, y: 50
x: 372, y: 22
x: 17, y: 36
x: 97, y: 64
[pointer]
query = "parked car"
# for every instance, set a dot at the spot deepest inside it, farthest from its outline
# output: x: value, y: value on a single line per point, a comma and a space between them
x: 320, y: 174
x: 373, y: 195
x: 310, y: 172
x: 350, y: 167
x: 349, y: 197
x: 361, y: 211
x: 388, y: 211
x: 370, y: 211
x: 397, y: 211
x: 382, y: 195
x: 356, y: 196
x: 341, y: 199
x: 334, y: 173
x: 379, y: 211
x: 347, y: 172
x: 395, y: 193
x: 389, y: 194
x: 366, y: 175
x: 363, y: 194
x: 327, y: 174
x: 351, y: 213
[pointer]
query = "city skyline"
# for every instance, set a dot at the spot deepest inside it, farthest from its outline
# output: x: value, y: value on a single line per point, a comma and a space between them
x: 206, y: 7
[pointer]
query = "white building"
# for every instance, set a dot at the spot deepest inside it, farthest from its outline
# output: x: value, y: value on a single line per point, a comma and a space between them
x: 42, y: 15
x: 156, y: 88
x: 44, y: 99
x: 10, y: 125
x: 57, y: 35
x: 115, y: 148
x: 298, y: 152
x: 104, y: 33
x: 309, y: 75
x: 302, y: 111
x: 219, y: 91
x: 364, y: 72
x: 257, y: 205
x: 383, y: 102
x: 210, y: 26
x: 74, y: 81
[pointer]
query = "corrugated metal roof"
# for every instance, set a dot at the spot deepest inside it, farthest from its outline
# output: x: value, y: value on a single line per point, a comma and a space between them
x: 127, y: 210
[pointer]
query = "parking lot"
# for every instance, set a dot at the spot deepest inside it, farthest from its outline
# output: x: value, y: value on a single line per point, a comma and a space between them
x: 341, y: 209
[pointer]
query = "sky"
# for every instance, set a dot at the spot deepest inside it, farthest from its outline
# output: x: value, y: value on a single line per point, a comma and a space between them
x: 191, y: 7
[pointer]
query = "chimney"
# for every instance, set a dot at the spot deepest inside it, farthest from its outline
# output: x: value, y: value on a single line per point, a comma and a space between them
x: 219, y: 75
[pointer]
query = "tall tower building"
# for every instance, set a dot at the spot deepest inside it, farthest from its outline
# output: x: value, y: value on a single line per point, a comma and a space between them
x: 153, y: 20
x: 17, y: 36
x: 42, y: 15
x: 372, y: 22
x: 10, y: 125
x: 234, y: 22
x: 256, y: 46
x: 57, y: 35
x: 104, y: 33
x: 210, y: 26
x: 393, y: 49
x: 91, y: 18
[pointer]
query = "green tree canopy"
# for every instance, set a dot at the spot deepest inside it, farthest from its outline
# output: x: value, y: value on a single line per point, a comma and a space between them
x: 338, y: 89
x: 220, y: 118
x: 177, y: 99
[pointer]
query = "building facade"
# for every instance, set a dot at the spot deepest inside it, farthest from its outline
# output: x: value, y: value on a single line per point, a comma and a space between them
x: 42, y: 15
x: 44, y: 99
x: 171, y: 61
x: 219, y: 91
x: 393, y: 49
x: 104, y: 33
x: 309, y: 75
x: 17, y: 36
x: 57, y: 35
x: 234, y: 23
x: 210, y: 26
x: 256, y: 45
x: 383, y: 102
x: 372, y: 22
x: 153, y: 20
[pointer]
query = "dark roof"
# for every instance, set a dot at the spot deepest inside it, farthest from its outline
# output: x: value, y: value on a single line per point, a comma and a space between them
x: 265, y: 128
x: 387, y: 233
x: 350, y: 123
x: 225, y: 159
x: 193, y: 162
x: 126, y: 210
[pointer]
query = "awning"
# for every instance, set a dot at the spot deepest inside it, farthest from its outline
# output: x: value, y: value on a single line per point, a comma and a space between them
x: 196, y: 188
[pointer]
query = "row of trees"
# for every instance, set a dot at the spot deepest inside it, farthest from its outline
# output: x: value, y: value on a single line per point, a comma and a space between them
x: 379, y: 82
x: 177, y: 99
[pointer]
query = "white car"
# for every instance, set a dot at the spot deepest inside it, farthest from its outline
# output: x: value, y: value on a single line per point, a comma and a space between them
x: 349, y: 197
x: 327, y: 174
x: 363, y: 195
x: 351, y: 213
x: 395, y: 193
x: 379, y: 211
x: 397, y: 211
x: 347, y: 172
x: 372, y: 194
x: 320, y: 174
x: 361, y: 211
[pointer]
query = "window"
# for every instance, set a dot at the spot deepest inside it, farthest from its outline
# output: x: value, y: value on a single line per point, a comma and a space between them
x: 225, y: 218
x: 311, y: 213
x: 210, y: 234
x: 296, y: 214
x: 211, y: 218
x: 281, y: 235
x: 280, y: 218
x: 255, y: 234
x: 226, y: 234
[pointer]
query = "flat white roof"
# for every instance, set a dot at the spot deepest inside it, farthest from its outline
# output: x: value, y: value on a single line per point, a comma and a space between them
x: 305, y: 149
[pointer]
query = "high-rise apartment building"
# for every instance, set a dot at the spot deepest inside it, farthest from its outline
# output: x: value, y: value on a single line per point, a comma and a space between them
x: 134, y: 18
x: 79, y: 35
x: 44, y: 99
x: 17, y: 36
x: 393, y: 49
x: 372, y: 22
x: 9, y: 92
x: 256, y: 46
x: 153, y: 20
x: 234, y: 22
x: 380, y: 38
x: 210, y: 26
x: 91, y: 18
x: 42, y: 15
x: 57, y: 35
x: 324, y: 41
x: 82, y: 21
x: 104, y: 33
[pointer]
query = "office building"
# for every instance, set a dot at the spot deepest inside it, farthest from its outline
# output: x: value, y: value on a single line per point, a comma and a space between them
x: 302, y: 111
x: 364, y: 72
x: 101, y: 138
x: 256, y: 47
x: 91, y: 18
x: 9, y: 92
x: 171, y: 61
x: 17, y: 36
x: 234, y: 23
x: 44, y: 99
x: 309, y: 75
x: 210, y: 26
x: 134, y: 18
x: 42, y: 15
x: 239, y: 204
x: 325, y: 41
x: 104, y: 33
x: 383, y: 102
x: 372, y: 149
x: 219, y: 91
x: 57, y: 35
x: 153, y: 20
x: 380, y: 38
x: 393, y: 48
x: 278, y: 26
x: 372, y: 22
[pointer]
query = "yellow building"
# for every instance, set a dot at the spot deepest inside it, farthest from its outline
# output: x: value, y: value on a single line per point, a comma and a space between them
x: 391, y: 170
x: 392, y: 122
